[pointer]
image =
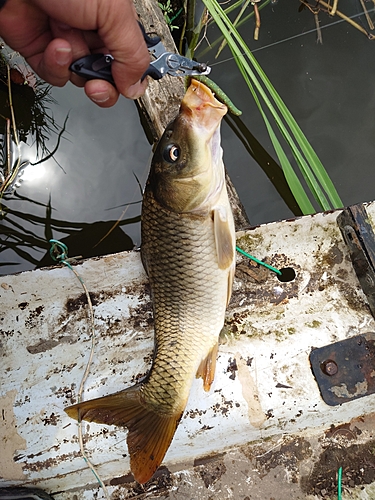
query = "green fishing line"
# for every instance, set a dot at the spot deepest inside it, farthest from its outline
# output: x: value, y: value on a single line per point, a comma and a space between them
x: 171, y: 19
x: 271, y: 268
x: 59, y: 252
x: 339, y: 479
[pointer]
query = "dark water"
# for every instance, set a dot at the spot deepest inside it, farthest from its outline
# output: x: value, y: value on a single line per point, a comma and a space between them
x: 329, y: 89
x: 88, y: 188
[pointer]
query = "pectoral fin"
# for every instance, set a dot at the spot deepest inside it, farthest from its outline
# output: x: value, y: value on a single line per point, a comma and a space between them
x: 224, y: 237
x: 207, y: 368
x: 150, y: 434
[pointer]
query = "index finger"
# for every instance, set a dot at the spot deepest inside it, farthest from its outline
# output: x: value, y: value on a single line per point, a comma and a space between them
x: 116, y: 24
x: 131, y: 57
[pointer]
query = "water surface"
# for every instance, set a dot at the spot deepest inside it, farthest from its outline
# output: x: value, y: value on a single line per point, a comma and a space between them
x: 328, y: 88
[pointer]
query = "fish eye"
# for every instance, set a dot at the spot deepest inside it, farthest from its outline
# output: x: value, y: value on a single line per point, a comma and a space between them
x: 171, y: 153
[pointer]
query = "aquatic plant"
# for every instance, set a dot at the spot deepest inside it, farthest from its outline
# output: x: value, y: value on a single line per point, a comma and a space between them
x: 24, y: 117
x: 332, y: 10
x: 169, y: 14
x: 25, y: 99
x: 265, y: 95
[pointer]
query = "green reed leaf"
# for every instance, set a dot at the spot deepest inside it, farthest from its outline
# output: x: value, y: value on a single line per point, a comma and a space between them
x: 307, y: 160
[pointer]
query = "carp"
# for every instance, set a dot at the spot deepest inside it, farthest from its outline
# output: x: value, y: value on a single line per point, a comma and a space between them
x: 188, y: 252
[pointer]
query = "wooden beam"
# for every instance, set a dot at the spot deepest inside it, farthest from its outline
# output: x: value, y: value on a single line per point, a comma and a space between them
x: 162, y: 99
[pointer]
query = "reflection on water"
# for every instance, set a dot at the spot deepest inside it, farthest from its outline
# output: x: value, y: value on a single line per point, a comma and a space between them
x: 33, y: 172
x: 80, y: 193
x: 27, y: 235
x: 89, y: 180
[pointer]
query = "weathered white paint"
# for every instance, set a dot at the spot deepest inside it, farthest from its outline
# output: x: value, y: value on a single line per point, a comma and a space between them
x: 270, y: 330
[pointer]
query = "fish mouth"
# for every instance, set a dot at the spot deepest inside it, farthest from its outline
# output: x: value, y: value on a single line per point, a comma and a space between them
x: 200, y: 104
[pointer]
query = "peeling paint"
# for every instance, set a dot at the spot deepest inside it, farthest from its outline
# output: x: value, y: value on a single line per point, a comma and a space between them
x: 341, y: 390
x: 263, y: 390
x: 257, y: 417
x: 10, y: 440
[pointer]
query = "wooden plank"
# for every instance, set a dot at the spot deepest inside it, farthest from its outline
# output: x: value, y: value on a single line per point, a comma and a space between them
x: 264, y: 386
x: 162, y: 99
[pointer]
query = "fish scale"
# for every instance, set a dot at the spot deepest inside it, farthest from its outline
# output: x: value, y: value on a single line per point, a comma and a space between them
x: 188, y: 308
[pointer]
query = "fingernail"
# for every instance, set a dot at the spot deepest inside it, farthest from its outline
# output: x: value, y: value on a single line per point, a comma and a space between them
x: 63, y: 55
x: 137, y: 90
x: 100, y: 97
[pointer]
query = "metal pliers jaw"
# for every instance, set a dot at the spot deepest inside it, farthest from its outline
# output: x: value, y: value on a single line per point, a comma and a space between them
x: 175, y: 65
x: 99, y: 65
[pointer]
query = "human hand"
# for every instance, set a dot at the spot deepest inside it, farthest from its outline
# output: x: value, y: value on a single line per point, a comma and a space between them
x: 51, y: 34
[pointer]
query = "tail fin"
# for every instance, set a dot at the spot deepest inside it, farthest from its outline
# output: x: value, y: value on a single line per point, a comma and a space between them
x: 150, y: 434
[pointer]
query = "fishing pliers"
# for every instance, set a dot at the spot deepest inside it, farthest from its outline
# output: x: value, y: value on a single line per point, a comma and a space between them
x: 99, y: 65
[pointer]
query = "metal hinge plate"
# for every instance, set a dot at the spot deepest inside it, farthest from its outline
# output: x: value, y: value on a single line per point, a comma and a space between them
x: 359, y: 237
x: 345, y: 370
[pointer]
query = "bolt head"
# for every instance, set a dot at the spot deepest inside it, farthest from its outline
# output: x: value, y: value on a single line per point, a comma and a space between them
x: 329, y: 367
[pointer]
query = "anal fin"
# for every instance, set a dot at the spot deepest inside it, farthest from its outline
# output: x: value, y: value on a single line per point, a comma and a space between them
x: 150, y: 433
x: 207, y: 368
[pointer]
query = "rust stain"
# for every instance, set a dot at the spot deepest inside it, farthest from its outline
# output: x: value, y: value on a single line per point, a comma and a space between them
x: 232, y: 368
x: 139, y: 319
x: 35, y: 317
x: 255, y: 285
x: 356, y: 460
x: 81, y: 301
x: 159, y: 485
x: 53, y: 419
x: 210, y: 468
x: 210, y: 471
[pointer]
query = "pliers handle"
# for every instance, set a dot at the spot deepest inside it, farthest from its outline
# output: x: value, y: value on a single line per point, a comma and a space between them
x: 94, y: 66
x: 99, y: 65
